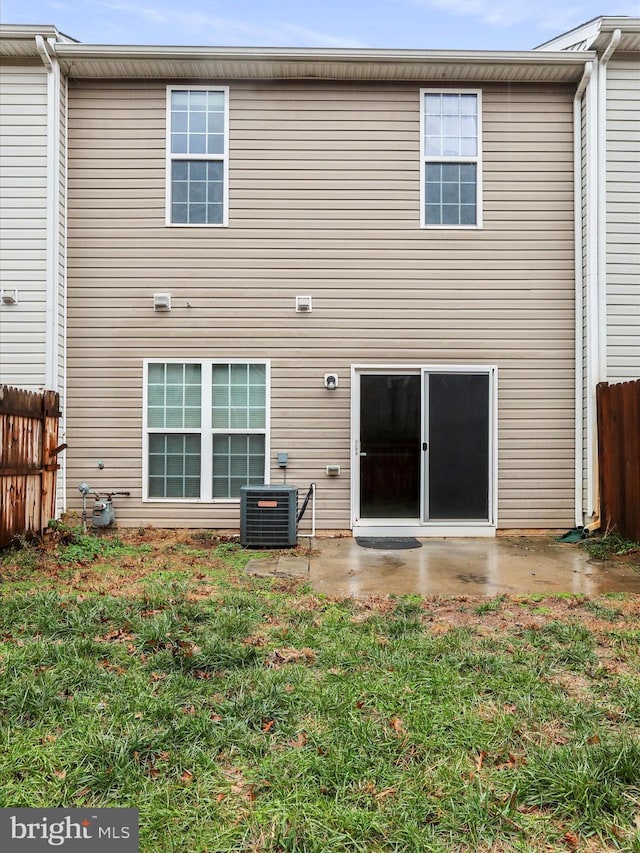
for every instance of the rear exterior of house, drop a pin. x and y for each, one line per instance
(426, 214)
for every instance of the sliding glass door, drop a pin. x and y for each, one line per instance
(424, 448)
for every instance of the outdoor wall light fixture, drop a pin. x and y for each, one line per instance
(331, 381)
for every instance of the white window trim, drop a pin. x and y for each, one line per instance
(206, 430)
(477, 160)
(224, 157)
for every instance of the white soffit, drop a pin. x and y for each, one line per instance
(128, 62)
(629, 39)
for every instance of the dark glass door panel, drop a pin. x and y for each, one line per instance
(390, 446)
(458, 425)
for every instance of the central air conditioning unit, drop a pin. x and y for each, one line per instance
(268, 516)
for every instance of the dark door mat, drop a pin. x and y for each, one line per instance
(388, 543)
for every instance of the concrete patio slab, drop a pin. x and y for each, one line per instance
(450, 567)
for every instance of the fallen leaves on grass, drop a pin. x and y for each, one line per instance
(48, 739)
(186, 648)
(388, 792)
(483, 758)
(480, 760)
(238, 785)
(111, 667)
(202, 674)
(511, 762)
(398, 726)
(118, 635)
(281, 657)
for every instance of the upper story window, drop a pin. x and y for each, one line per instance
(197, 155)
(451, 125)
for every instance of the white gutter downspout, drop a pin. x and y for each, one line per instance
(579, 287)
(65, 311)
(590, 285)
(597, 253)
(54, 324)
(53, 213)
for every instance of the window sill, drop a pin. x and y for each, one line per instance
(207, 501)
(451, 227)
(196, 224)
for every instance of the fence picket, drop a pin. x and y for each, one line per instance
(28, 435)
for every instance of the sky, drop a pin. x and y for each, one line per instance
(420, 24)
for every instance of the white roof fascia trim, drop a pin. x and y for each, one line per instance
(27, 31)
(98, 51)
(159, 52)
(625, 25)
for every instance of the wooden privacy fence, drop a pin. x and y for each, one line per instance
(619, 456)
(28, 461)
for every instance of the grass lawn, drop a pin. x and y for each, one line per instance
(239, 714)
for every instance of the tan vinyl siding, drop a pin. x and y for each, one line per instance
(623, 219)
(324, 200)
(23, 223)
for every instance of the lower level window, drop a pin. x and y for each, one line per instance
(205, 428)
(238, 460)
(174, 466)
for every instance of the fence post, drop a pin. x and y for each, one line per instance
(631, 458)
